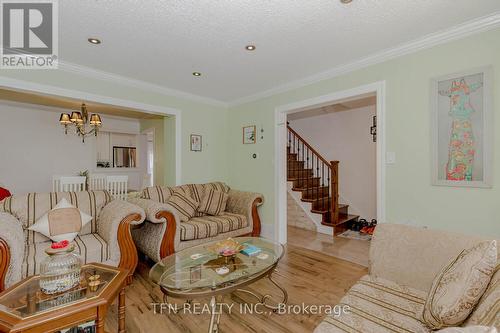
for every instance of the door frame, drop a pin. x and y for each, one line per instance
(146, 132)
(280, 231)
(21, 85)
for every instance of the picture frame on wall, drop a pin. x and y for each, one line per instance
(461, 133)
(249, 134)
(196, 142)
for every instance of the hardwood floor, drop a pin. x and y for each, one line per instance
(310, 277)
(352, 250)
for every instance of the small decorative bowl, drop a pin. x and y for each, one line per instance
(226, 248)
(94, 282)
(94, 285)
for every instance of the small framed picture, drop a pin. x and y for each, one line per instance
(249, 134)
(195, 142)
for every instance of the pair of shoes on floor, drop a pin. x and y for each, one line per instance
(369, 228)
(360, 224)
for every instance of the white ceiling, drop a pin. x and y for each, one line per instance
(340, 106)
(162, 42)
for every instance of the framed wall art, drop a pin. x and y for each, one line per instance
(195, 142)
(461, 132)
(249, 134)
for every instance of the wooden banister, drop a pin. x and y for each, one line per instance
(334, 179)
(317, 173)
(308, 146)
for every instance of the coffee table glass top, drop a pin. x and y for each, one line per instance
(26, 299)
(197, 267)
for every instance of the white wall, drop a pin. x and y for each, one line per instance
(33, 147)
(345, 136)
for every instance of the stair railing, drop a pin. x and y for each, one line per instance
(317, 169)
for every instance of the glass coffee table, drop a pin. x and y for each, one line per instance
(197, 272)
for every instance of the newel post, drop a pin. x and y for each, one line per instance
(334, 179)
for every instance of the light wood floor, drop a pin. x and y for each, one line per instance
(352, 250)
(310, 277)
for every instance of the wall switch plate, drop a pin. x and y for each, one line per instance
(390, 157)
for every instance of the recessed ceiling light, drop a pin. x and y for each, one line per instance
(250, 47)
(346, 1)
(94, 41)
(196, 74)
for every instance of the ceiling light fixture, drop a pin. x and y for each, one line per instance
(250, 47)
(94, 41)
(345, 2)
(196, 74)
(80, 120)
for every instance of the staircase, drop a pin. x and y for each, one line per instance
(317, 179)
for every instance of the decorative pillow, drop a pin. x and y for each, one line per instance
(487, 311)
(197, 191)
(4, 193)
(63, 222)
(218, 186)
(458, 287)
(184, 205)
(213, 202)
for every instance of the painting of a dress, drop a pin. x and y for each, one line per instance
(461, 134)
(461, 148)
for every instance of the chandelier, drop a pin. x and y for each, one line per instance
(80, 120)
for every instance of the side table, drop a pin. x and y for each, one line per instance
(25, 308)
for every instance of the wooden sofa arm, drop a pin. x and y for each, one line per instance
(11, 250)
(256, 218)
(128, 252)
(4, 262)
(114, 226)
(158, 237)
(167, 246)
(246, 203)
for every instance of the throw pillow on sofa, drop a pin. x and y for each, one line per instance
(458, 287)
(63, 222)
(487, 310)
(213, 202)
(183, 204)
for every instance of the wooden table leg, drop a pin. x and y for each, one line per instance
(101, 317)
(121, 311)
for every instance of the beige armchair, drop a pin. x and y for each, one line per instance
(106, 239)
(162, 233)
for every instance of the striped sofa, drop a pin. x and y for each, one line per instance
(163, 233)
(403, 263)
(105, 239)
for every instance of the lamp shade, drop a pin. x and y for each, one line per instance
(76, 117)
(64, 119)
(95, 120)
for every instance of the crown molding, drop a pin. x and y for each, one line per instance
(134, 83)
(463, 30)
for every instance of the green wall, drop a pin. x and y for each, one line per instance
(409, 194)
(197, 118)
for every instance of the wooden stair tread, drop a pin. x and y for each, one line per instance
(292, 178)
(343, 218)
(341, 206)
(309, 188)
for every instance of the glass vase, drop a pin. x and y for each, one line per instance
(60, 271)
